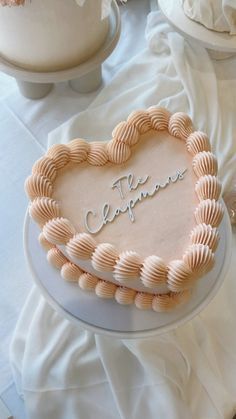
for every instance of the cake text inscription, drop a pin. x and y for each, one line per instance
(127, 182)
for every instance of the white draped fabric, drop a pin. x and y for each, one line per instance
(65, 372)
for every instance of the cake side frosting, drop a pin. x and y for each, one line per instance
(59, 231)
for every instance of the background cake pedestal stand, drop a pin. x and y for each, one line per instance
(107, 316)
(220, 45)
(83, 78)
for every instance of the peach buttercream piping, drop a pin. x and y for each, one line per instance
(58, 230)
(165, 302)
(180, 125)
(198, 141)
(37, 185)
(104, 257)
(208, 187)
(205, 163)
(127, 266)
(81, 246)
(118, 152)
(70, 272)
(205, 234)
(125, 295)
(97, 154)
(159, 118)
(60, 154)
(153, 271)
(45, 166)
(87, 282)
(43, 209)
(143, 300)
(46, 245)
(141, 120)
(78, 150)
(56, 258)
(126, 132)
(105, 289)
(209, 212)
(180, 277)
(199, 258)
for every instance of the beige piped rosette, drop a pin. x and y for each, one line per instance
(179, 275)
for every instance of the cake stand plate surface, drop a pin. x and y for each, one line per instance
(220, 44)
(107, 316)
(83, 78)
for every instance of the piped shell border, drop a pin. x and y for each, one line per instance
(179, 275)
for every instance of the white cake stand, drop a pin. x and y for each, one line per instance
(83, 78)
(107, 316)
(220, 45)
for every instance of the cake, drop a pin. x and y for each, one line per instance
(51, 35)
(135, 218)
(217, 15)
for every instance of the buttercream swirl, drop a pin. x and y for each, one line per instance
(58, 230)
(126, 132)
(78, 150)
(37, 185)
(127, 266)
(97, 154)
(209, 211)
(166, 302)
(180, 125)
(205, 163)
(143, 300)
(105, 289)
(87, 282)
(45, 166)
(81, 246)
(43, 209)
(198, 141)
(180, 277)
(153, 271)
(199, 258)
(208, 187)
(46, 245)
(159, 118)
(141, 119)
(125, 295)
(118, 152)
(70, 272)
(205, 234)
(56, 258)
(104, 257)
(60, 154)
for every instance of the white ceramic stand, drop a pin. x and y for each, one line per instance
(83, 78)
(220, 45)
(107, 316)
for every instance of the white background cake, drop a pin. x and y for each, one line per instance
(50, 35)
(218, 15)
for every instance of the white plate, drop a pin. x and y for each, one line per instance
(217, 41)
(107, 316)
(73, 72)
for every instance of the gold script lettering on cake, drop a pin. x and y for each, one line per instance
(124, 185)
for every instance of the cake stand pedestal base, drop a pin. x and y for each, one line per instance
(89, 82)
(34, 90)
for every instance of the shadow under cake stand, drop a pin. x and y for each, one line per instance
(107, 316)
(83, 78)
(220, 45)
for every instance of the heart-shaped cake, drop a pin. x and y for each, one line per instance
(134, 218)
